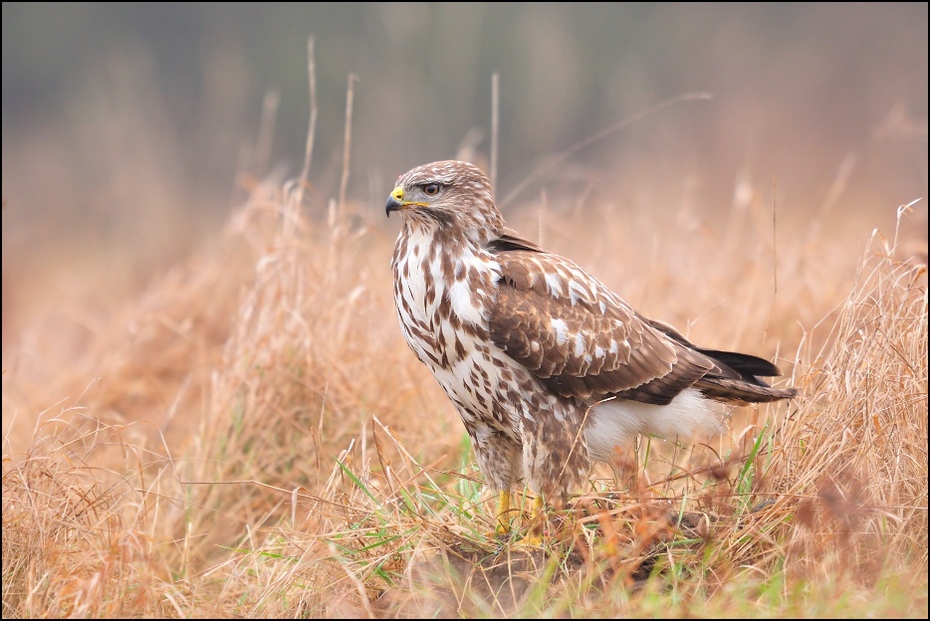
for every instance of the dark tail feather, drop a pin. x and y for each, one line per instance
(748, 367)
(738, 383)
(736, 378)
(739, 392)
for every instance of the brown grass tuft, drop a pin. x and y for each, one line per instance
(851, 460)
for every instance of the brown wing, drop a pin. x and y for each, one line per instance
(578, 337)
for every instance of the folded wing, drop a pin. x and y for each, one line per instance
(583, 341)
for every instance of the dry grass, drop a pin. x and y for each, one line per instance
(251, 437)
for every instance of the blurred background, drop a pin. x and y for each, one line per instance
(131, 130)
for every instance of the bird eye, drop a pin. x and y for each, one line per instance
(431, 189)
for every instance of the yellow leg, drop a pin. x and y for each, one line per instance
(503, 511)
(504, 516)
(533, 536)
(537, 507)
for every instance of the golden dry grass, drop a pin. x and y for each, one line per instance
(251, 437)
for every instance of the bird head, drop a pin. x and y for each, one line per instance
(451, 197)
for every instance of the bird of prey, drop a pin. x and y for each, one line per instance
(547, 367)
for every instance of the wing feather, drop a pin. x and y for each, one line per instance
(578, 337)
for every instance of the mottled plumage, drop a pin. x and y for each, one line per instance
(547, 367)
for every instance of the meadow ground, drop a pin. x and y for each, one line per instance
(248, 435)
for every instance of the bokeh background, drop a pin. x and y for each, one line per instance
(131, 130)
(208, 409)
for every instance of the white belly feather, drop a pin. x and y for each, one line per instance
(424, 289)
(617, 421)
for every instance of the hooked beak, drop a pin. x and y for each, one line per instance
(395, 201)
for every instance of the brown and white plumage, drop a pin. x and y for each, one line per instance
(547, 367)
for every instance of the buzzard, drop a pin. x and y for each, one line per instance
(547, 367)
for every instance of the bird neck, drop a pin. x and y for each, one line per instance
(450, 234)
